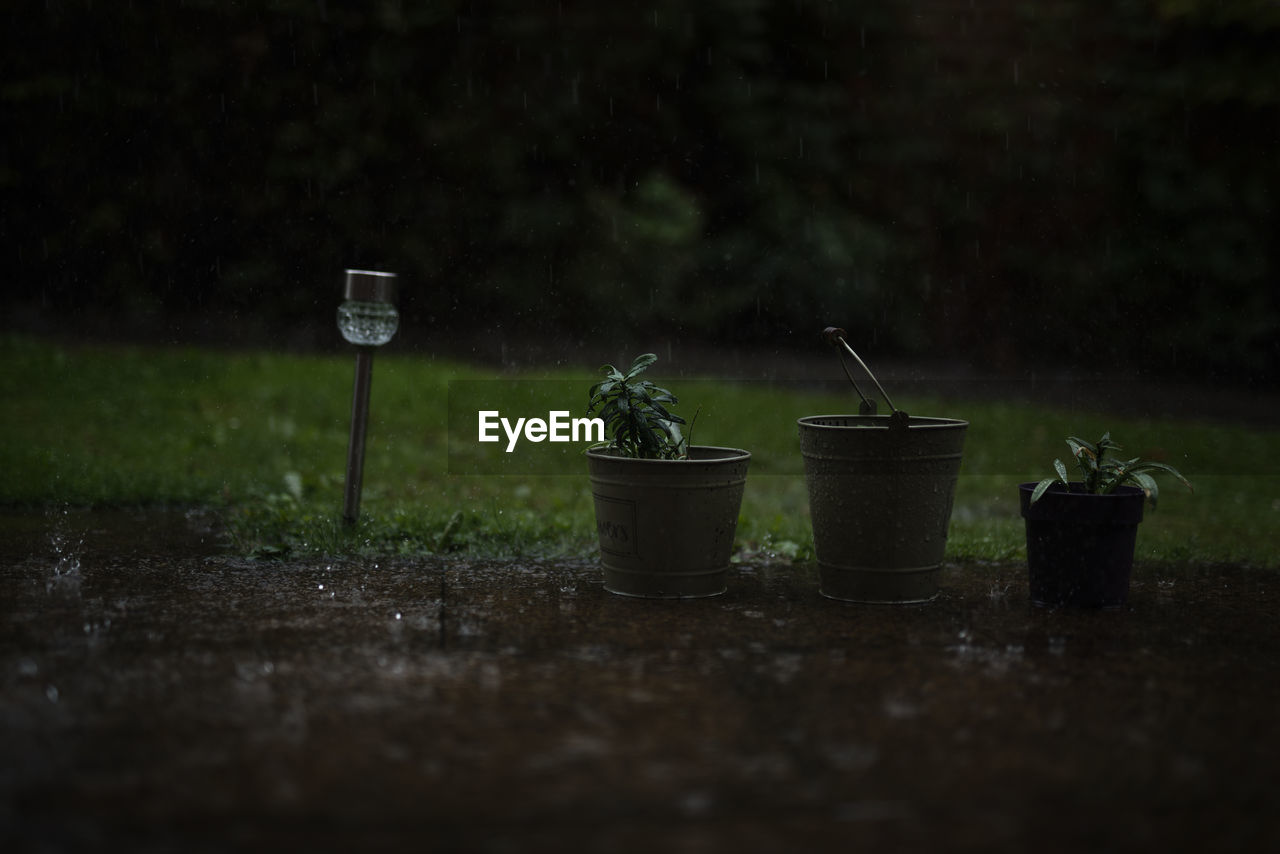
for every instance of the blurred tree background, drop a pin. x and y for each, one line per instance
(1003, 182)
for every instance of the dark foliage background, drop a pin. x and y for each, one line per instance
(1002, 183)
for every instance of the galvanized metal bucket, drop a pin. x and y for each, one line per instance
(666, 527)
(880, 497)
(880, 494)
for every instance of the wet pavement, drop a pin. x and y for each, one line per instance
(158, 695)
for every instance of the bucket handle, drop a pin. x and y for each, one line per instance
(835, 336)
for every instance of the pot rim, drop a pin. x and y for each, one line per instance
(720, 454)
(1119, 493)
(881, 422)
(1122, 507)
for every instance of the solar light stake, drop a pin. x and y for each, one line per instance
(359, 425)
(368, 319)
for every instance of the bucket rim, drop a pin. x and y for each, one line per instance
(881, 422)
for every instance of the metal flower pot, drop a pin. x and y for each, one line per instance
(880, 494)
(1080, 546)
(666, 527)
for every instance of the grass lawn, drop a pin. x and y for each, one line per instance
(263, 437)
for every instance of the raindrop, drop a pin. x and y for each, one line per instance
(696, 803)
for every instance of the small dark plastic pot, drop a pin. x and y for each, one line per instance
(1080, 546)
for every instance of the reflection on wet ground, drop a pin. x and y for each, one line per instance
(157, 694)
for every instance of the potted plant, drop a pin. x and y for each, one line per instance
(666, 510)
(1081, 534)
(880, 494)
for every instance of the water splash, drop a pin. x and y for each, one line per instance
(67, 542)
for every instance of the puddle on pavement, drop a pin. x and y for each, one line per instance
(137, 654)
(71, 533)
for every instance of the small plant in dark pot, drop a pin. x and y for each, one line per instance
(666, 510)
(1081, 534)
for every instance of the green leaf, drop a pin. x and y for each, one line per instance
(1041, 488)
(1086, 457)
(1147, 484)
(1168, 469)
(1061, 469)
(1080, 446)
(641, 362)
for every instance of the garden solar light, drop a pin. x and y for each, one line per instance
(367, 318)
